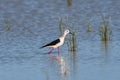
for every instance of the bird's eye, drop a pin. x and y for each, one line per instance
(67, 31)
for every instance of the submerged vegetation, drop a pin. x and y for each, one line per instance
(60, 26)
(7, 24)
(105, 31)
(89, 26)
(72, 42)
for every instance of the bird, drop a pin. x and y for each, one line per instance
(58, 42)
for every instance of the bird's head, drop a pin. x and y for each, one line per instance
(67, 31)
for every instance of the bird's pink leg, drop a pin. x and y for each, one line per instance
(50, 50)
(58, 51)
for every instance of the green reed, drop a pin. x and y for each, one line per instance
(72, 42)
(60, 26)
(105, 31)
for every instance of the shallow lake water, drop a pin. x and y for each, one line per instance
(26, 25)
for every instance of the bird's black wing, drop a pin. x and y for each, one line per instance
(52, 43)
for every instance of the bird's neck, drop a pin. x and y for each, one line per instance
(64, 35)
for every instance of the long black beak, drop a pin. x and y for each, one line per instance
(70, 33)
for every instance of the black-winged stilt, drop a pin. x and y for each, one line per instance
(57, 43)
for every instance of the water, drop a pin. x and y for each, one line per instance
(32, 24)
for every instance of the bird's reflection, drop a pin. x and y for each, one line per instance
(62, 63)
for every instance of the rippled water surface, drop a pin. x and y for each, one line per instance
(26, 25)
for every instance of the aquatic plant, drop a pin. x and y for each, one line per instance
(89, 29)
(7, 24)
(60, 26)
(71, 41)
(69, 2)
(47, 75)
(105, 31)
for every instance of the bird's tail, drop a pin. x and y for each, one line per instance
(42, 47)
